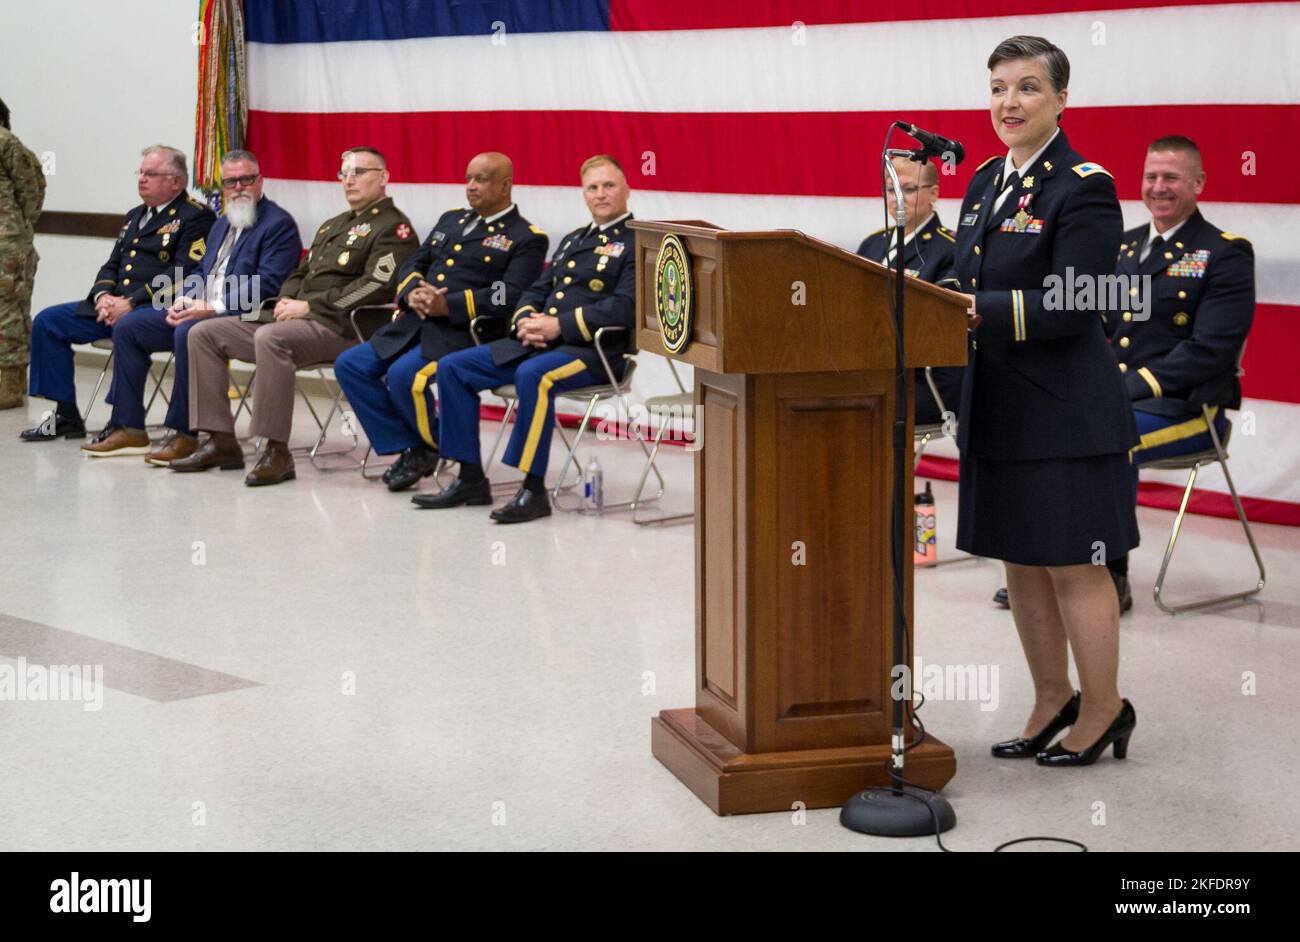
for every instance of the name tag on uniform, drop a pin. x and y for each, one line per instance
(969, 219)
(439, 237)
(612, 249)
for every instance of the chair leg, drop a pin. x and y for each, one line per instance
(920, 449)
(570, 459)
(94, 396)
(501, 432)
(336, 408)
(1158, 591)
(244, 394)
(636, 501)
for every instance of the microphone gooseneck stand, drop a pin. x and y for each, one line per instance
(899, 810)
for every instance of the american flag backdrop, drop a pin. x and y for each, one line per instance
(761, 114)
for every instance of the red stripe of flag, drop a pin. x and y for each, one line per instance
(1270, 362)
(787, 153)
(731, 14)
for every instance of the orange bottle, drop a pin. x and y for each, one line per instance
(925, 550)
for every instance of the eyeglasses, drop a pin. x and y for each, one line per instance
(345, 174)
(151, 174)
(232, 183)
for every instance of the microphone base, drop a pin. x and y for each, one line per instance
(887, 813)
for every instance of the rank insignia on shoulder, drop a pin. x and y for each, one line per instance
(947, 234)
(1087, 169)
(197, 248)
(536, 230)
(987, 162)
(612, 249)
(498, 242)
(1233, 237)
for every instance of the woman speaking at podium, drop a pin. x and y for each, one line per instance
(1045, 481)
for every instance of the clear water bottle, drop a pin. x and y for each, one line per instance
(593, 488)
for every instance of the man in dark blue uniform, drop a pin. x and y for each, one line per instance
(166, 232)
(470, 270)
(1181, 350)
(928, 249)
(591, 284)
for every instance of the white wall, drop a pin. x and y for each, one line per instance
(90, 83)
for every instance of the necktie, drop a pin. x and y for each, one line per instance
(1011, 184)
(1151, 247)
(218, 273)
(148, 214)
(470, 228)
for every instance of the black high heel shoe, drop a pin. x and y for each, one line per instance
(1024, 748)
(1118, 733)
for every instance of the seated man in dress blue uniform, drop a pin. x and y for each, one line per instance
(166, 231)
(471, 269)
(1184, 353)
(928, 249)
(250, 251)
(591, 284)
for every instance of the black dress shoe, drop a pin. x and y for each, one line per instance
(415, 463)
(48, 431)
(456, 494)
(1123, 591)
(524, 506)
(1001, 599)
(1118, 733)
(1024, 748)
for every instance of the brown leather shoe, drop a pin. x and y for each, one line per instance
(274, 466)
(220, 450)
(13, 387)
(119, 441)
(174, 447)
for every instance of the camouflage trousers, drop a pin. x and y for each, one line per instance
(17, 274)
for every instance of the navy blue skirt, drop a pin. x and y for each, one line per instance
(1047, 512)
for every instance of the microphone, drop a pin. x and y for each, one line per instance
(932, 144)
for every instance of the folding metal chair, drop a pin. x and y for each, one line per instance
(922, 435)
(614, 388)
(675, 405)
(107, 344)
(1218, 454)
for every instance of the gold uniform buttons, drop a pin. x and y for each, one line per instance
(1181, 319)
(1178, 245)
(487, 258)
(374, 212)
(977, 250)
(559, 295)
(450, 262)
(135, 241)
(572, 263)
(1182, 295)
(441, 276)
(1128, 316)
(133, 253)
(126, 281)
(128, 267)
(1124, 342)
(926, 237)
(1169, 255)
(554, 310)
(456, 247)
(1123, 367)
(1133, 292)
(972, 282)
(568, 279)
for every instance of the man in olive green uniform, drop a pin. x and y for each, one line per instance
(22, 191)
(352, 263)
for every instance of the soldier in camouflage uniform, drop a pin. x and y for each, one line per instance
(22, 191)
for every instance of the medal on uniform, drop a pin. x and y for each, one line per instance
(343, 257)
(166, 238)
(596, 285)
(1022, 216)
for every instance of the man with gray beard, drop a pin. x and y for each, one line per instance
(250, 251)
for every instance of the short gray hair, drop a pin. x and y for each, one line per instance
(230, 156)
(1035, 47)
(175, 158)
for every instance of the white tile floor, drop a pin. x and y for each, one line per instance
(499, 675)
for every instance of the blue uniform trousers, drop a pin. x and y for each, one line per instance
(392, 396)
(462, 375)
(54, 331)
(138, 334)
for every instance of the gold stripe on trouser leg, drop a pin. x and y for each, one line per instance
(418, 387)
(539, 409)
(1175, 433)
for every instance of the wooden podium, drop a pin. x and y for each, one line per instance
(792, 507)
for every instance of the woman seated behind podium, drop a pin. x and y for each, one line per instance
(1045, 481)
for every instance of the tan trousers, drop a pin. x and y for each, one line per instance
(278, 349)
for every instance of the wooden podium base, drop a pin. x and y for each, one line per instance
(733, 782)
